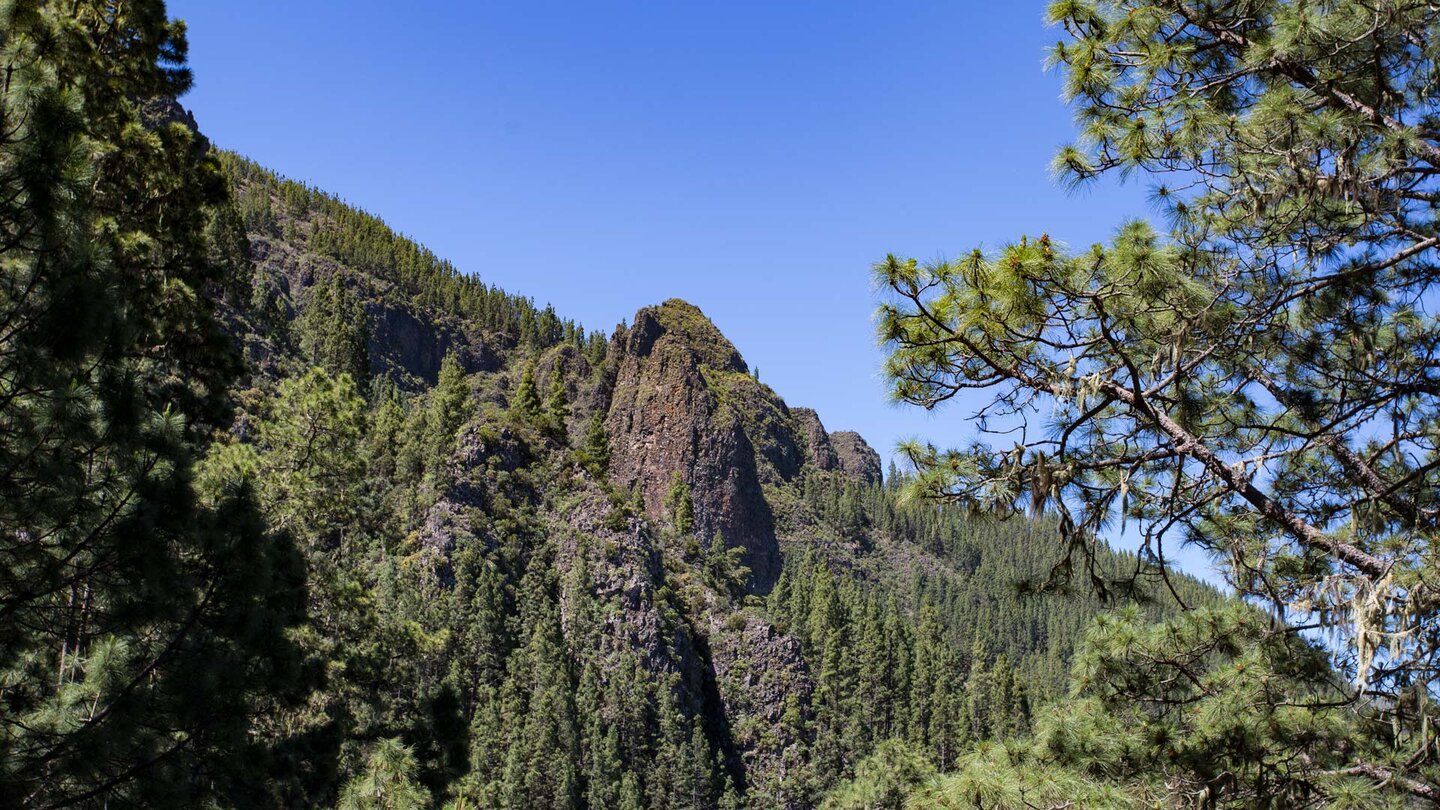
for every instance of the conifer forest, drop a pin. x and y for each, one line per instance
(296, 513)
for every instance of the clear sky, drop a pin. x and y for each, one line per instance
(754, 158)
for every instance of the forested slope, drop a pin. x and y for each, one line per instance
(293, 513)
(550, 567)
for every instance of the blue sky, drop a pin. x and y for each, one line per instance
(754, 158)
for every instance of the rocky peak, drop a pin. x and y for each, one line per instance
(687, 326)
(162, 111)
(857, 459)
(843, 450)
(683, 402)
(821, 453)
(665, 416)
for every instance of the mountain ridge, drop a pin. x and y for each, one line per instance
(697, 543)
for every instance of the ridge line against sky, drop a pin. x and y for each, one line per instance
(751, 158)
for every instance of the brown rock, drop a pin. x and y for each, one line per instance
(664, 417)
(821, 453)
(857, 458)
(761, 675)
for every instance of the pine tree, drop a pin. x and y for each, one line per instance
(605, 777)
(875, 678)
(557, 405)
(679, 505)
(310, 469)
(1250, 380)
(723, 570)
(141, 624)
(388, 783)
(451, 406)
(596, 450)
(527, 398)
(544, 756)
(451, 401)
(334, 330)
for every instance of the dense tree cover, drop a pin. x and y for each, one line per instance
(1202, 709)
(957, 652)
(455, 614)
(990, 777)
(297, 583)
(333, 330)
(979, 573)
(437, 533)
(142, 626)
(388, 783)
(1258, 381)
(275, 206)
(480, 672)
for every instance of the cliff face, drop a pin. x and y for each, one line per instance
(856, 458)
(409, 345)
(819, 450)
(407, 341)
(665, 418)
(683, 401)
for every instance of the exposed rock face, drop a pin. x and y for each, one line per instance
(624, 569)
(414, 345)
(665, 418)
(406, 344)
(857, 459)
(682, 400)
(761, 675)
(817, 441)
(767, 421)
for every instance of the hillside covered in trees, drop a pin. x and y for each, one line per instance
(295, 513)
(605, 570)
(298, 514)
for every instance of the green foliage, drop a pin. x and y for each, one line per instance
(723, 570)
(1257, 382)
(557, 405)
(310, 460)
(1222, 703)
(882, 674)
(680, 505)
(333, 330)
(452, 406)
(995, 778)
(321, 223)
(527, 396)
(1220, 707)
(883, 780)
(142, 626)
(468, 643)
(388, 782)
(595, 452)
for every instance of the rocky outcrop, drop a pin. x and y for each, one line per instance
(410, 346)
(779, 451)
(857, 459)
(165, 110)
(765, 689)
(664, 418)
(624, 571)
(682, 401)
(843, 450)
(820, 452)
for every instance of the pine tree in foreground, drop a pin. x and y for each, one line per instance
(141, 626)
(1261, 382)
